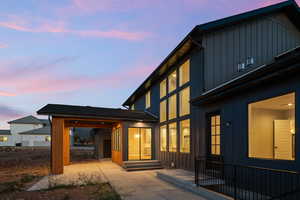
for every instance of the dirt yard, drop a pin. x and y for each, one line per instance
(21, 167)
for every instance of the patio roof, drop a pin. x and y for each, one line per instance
(60, 110)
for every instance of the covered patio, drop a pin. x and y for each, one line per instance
(121, 122)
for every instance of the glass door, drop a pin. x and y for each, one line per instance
(139, 143)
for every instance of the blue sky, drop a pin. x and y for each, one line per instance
(91, 52)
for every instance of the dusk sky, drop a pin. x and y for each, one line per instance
(91, 52)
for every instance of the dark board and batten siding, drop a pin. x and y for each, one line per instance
(261, 38)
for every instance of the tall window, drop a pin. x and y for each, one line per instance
(163, 88)
(3, 139)
(163, 138)
(148, 99)
(172, 137)
(215, 132)
(184, 104)
(132, 107)
(185, 136)
(184, 73)
(163, 111)
(172, 107)
(271, 133)
(172, 80)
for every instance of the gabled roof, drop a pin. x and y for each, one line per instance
(96, 112)
(290, 7)
(40, 131)
(26, 120)
(5, 132)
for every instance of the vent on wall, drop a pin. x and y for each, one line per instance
(244, 65)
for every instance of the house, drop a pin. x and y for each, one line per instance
(227, 92)
(30, 131)
(5, 138)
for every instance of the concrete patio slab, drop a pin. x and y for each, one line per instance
(75, 174)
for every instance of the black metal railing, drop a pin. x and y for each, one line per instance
(247, 182)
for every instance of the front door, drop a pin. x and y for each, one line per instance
(139, 144)
(214, 136)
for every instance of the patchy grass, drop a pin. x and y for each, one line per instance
(21, 167)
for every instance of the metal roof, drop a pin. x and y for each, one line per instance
(290, 7)
(96, 112)
(27, 120)
(40, 131)
(5, 132)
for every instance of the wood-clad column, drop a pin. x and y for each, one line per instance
(57, 138)
(66, 146)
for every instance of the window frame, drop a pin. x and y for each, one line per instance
(166, 111)
(176, 81)
(180, 74)
(164, 88)
(263, 98)
(176, 137)
(166, 138)
(180, 102)
(174, 96)
(148, 99)
(180, 138)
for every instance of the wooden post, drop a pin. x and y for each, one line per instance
(57, 138)
(66, 146)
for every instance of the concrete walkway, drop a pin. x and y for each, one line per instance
(137, 185)
(142, 185)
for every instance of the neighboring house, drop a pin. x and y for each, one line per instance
(228, 91)
(6, 138)
(30, 131)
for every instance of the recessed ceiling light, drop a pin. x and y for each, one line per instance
(290, 104)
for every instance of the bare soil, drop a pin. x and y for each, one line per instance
(21, 167)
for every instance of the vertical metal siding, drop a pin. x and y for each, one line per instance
(261, 38)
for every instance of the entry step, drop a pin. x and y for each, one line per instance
(142, 165)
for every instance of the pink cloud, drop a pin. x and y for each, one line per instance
(59, 27)
(3, 46)
(53, 77)
(7, 94)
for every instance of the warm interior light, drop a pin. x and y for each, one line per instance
(290, 104)
(174, 75)
(4, 139)
(137, 135)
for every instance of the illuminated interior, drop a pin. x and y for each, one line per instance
(172, 137)
(185, 136)
(184, 73)
(139, 143)
(163, 111)
(148, 99)
(3, 139)
(272, 128)
(163, 88)
(163, 138)
(172, 81)
(48, 138)
(184, 98)
(172, 107)
(215, 121)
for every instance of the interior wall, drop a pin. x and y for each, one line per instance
(261, 131)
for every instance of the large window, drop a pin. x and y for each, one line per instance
(148, 99)
(163, 111)
(185, 136)
(3, 139)
(163, 88)
(272, 128)
(172, 107)
(172, 137)
(215, 134)
(184, 104)
(172, 80)
(184, 73)
(163, 138)
(116, 139)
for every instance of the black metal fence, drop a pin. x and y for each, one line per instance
(246, 182)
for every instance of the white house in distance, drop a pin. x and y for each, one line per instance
(30, 131)
(6, 138)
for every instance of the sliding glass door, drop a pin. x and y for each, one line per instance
(139, 143)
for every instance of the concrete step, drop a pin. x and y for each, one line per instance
(142, 165)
